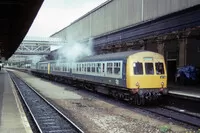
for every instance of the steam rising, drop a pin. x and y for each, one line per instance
(35, 58)
(73, 50)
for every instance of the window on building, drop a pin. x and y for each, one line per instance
(149, 68)
(138, 68)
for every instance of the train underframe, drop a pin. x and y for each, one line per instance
(133, 96)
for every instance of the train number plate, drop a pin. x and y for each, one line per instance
(162, 77)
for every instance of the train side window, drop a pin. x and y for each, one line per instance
(85, 67)
(93, 67)
(138, 68)
(88, 67)
(159, 68)
(117, 68)
(103, 67)
(109, 68)
(149, 68)
(73, 67)
(79, 67)
(98, 67)
(82, 67)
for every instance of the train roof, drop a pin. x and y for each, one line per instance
(106, 57)
(110, 56)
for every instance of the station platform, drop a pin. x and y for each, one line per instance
(13, 118)
(189, 92)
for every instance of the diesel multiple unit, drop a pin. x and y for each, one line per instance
(137, 76)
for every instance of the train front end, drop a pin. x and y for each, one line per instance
(146, 75)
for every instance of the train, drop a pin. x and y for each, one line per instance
(136, 76)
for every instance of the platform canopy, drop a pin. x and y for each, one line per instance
(16, 17)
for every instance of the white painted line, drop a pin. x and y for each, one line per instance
(184, 94)
(20, 108)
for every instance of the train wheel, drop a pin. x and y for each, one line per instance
(130, 100)
(139, 100)
(116, 96)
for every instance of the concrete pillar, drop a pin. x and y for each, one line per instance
(182, 51)
(161, 47)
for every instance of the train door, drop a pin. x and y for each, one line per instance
(103, 69)
(49, 67)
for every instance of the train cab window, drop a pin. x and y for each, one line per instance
(117, 68)
(159, 68)
(138, 68)
(98, 67)
(149, 68)
(109, 68)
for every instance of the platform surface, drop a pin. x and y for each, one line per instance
(188, 91)
(12, 117)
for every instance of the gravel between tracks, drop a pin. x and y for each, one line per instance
(97, 115)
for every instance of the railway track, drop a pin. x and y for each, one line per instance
(47, 118)
(171, 113)
(178, 115)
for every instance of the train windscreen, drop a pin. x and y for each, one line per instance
(149, 68)
(159, 68)
(138, 68)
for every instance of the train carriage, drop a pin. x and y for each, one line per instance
(137, 75)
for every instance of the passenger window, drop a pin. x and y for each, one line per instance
(93, 67)
(103, 67)
(79, 67)
(117, 68)
(138, 68)
(98, 67)
(88, 67)
(149, 68)
(83, 68)
(109, 68)
(159, 68)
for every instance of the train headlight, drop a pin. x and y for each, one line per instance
(137, 84)
(162, 84)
